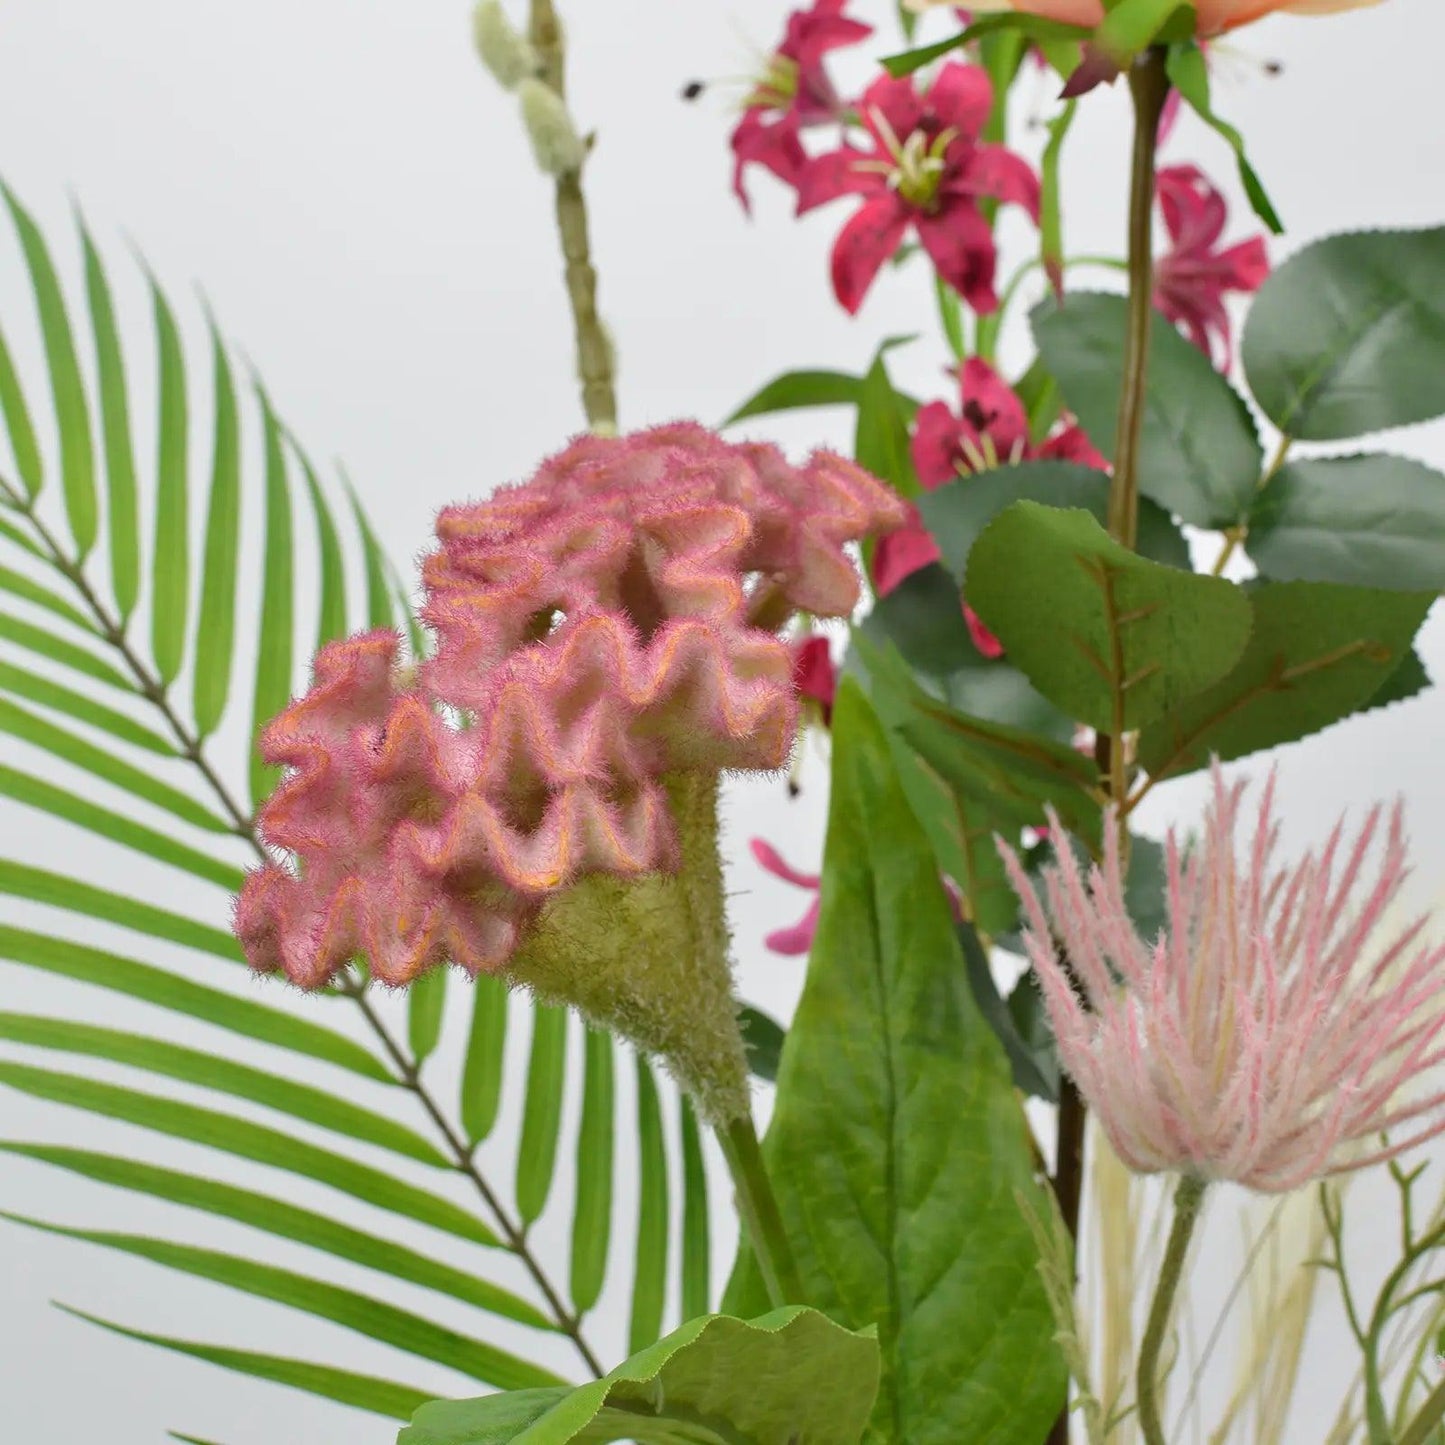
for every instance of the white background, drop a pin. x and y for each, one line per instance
(356, 198)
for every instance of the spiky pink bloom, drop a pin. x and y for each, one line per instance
(1268, 1029)
(600, 629)
(1192, 279)
(926, 170)
(793, 93)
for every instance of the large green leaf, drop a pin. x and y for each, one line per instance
(1348, 336)
(542, 1111)
(287, 1221)
(18, 584)
(592, 1212)
(46, 644)
(115, 433)
(790, 1378)
(1366, 521)
(365, 1314)
(1199, 456)
(796, 389)
(83, 708)
(425, 1007)
(77, 452)
(482, 1070)
(171, 562)
(1111, 638)
(1318, 652)
(256, 1142)
(362, 1392)
(898, 1146)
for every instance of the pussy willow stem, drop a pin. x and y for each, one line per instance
(1187, 1199)
(594, 347)
(758, 1206)
(192, 749)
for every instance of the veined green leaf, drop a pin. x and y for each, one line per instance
(61, 803)
(19, 880)
(379, 609)
(216, 619)
(45, 693)
(41, 733)
(763, 1037)
(46, 644)
(166, 990)
(795, 389)
(542, 1110)
(23, 446)
(77, 456)
(223, 1075)
(790, 1377)
(696, 1230)
(247, 1140)
(366, 1315)
(362, 1392)
(331, 615)
(592, 1215)
(171, 564)
(39, 595)
(286, 1221)
(115, 434)
(276, 638)
(426, 1004)
(649, 1281)
(481, 1094)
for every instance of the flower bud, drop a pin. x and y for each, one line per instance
(505, 51)
(555, 142)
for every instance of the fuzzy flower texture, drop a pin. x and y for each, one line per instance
(606, 644)
(1264, 1036)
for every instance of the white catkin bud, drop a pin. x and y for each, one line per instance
(505, 51)
(555, 142)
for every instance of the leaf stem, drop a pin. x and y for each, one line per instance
(1187, 1199)
(758, 1206)
(1427, 1418)
(192, 750)
(594, 346)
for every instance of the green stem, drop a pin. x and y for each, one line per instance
(1430, 1414)
(1187, 1198)
(1009, 294)
(759, 1209)
(1149, 85)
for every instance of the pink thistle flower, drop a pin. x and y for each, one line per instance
(603, 630)
(926, 170)
(1256, 1039)
(793, 93)
(1191, 281)
(990, 429)
(798, 939)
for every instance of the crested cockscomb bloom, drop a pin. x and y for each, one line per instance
(926, 170)
(1265, 1035)
(1192, 279)
(792, 93)
(606, 644)
(990, 429)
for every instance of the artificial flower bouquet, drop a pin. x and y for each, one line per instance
(1033, 1046)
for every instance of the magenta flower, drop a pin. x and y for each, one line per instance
(792, 93)
(1268, 1029)
(1191, 281)
(990, 429)
(602, 630)
(798, 939)
(814, 675)
(925, 171)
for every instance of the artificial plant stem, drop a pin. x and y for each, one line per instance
(1427, 1420)
(1187, 1199)
(594, 347)
(1149, 86)
(192, 749)
(758, 1207)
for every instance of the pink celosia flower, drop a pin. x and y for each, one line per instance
(927, 170)
(991, 429)
(798, 939)
(608, 626)
(1192, 279)
(1268, 1029)
(793, 92)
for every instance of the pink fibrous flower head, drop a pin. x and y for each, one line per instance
(1266, 1033)
(604, 632)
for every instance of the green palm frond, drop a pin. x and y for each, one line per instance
(134, 678)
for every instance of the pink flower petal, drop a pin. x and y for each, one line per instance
(874, 233)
